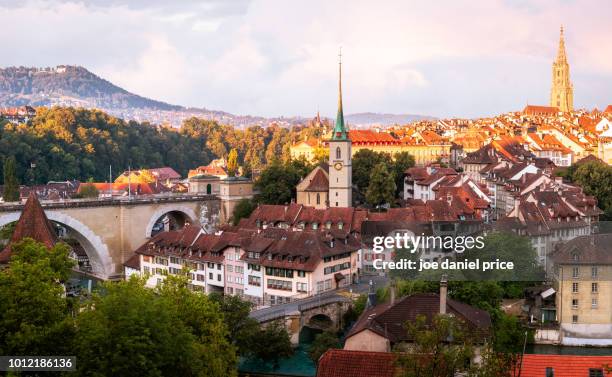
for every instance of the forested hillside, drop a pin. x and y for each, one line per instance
(68, 143)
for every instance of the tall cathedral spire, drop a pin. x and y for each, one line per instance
(562, 91)
(561, 57)
(340, 132)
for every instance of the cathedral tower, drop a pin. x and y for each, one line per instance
(340, 170)
(562, 92)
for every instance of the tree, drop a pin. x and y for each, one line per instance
(232, 163)
(381, 189)
(322, 342)
(277, 182)
(34, 314)
(243, 209)
(507, 247)
(11, 184)
(438, 349)
(89, 190)
(136, 331)
(363, 164)
(274, 344)
(243, 331)
(402, 161)
(595, 178)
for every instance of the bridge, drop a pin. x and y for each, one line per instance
(110, 229)
(322, 312)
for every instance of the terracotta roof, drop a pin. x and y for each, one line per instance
(165, 173)
(364, 137)
(317, 180)
(345, 363)
(608, 109)
(562, 365)
(540, 110)
(133, 262)
(32, 223)
(122, 188)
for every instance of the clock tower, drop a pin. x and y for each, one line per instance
(340, 170)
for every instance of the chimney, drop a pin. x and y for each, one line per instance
(443, 291)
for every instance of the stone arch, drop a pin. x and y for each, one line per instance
(320, 321)
(185, 211)
(97, 251)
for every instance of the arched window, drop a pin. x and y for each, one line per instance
(209, 189)
(338, 153)
(318, 198)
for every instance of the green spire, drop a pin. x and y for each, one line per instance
(340, 132)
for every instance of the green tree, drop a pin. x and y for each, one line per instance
(277, 182)
(507, 247)
(232, 163)
(34, 314)
(381, 189)
(243, 331)
(363, 163)
(243, 209)
(595, 178)
(89, 190)
(274, 344)
(136, 331)
(402, 161)
(322, 342)
(11, 184)
(431, 353)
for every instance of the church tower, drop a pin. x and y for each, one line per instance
(562, 92)
(340, 170)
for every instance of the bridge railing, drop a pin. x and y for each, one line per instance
(102, 201)
(322, 301)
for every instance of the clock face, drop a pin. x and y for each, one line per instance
(338, 165)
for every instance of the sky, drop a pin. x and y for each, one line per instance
(443, 58)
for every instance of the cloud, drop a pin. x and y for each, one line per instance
(273, 57)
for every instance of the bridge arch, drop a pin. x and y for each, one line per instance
(97, 251)
(186, 212)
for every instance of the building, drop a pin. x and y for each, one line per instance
(340, 157)
(313, 190)
(582, 279)
(381, 328)
(231, 191)
(267, 267)
(32, 223)
(562, 91)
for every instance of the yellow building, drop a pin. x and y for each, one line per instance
(583, 284)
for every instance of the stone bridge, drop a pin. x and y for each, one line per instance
(109, 230)
(321, 312)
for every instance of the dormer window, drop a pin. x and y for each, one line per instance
(270, 257)
(328, 225)
(340, 225)
(315, 226)
(575, 256)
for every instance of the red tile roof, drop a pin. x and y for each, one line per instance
(540, 110)
(562, 365)
(32, 223)
(345, 363)
(608, 109)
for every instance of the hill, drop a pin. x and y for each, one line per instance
(68, 86)
(371, 119)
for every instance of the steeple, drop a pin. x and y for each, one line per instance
(562, 91)
(340, 132)
(561, 56)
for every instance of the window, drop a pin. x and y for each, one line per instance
(239, 269)
(575, 303)
(595, 372)
(301, 287)
(210, 276)
(574, 287)
(574, 319)
(218, 277)
(301, 274)
(594, 287)
(199, 277)
(550, 372)
(280, 284)
(254, 280)
(594, 272)
(230, 268)
(593, 303)
(218, 266)
(230, 279)
(318, 198)
(575, 272)
(338, 153)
